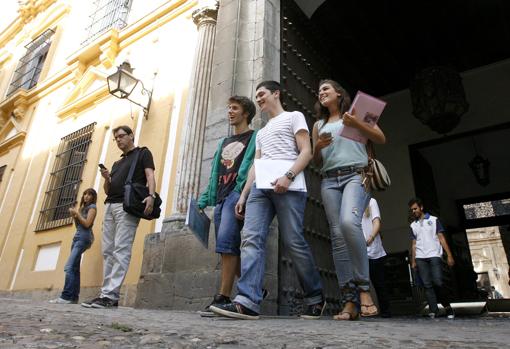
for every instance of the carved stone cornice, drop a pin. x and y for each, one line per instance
(12, 142)
(9, 139)
(29, 9)
(110, 50)
(16, 105)
(205, 15)
(19, 112)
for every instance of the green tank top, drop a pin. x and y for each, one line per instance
(343, 152)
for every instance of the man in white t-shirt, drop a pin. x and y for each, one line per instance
(285, 137)
(428, 242)
(371, 226)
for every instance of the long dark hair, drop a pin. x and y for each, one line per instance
(344, 102)
(90, 191)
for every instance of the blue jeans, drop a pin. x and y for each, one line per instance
(261, 207)
(431, 273)
(71, 291)
(228, 227)
(345, 200)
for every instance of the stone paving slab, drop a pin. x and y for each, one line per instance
(36, 324)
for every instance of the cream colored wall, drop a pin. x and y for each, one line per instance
(8, 158)
(77, 74)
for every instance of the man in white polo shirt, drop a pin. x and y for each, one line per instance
(428, 242)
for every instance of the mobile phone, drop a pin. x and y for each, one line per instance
(102, 167)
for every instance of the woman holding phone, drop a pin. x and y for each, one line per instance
(83, 238)
(344, 195)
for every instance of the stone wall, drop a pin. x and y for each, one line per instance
(178, 272)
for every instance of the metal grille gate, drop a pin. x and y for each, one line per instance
(301, 68)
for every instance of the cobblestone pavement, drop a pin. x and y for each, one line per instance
(37, 324)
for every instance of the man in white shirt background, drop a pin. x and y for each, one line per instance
(428, 242)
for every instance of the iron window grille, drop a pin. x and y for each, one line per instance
(107, 14)
(30, 65)
(2, 171)
(65, 179)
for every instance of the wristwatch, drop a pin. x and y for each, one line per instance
(290, 175)
(152, 196)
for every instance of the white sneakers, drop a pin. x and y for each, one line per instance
(60, 300)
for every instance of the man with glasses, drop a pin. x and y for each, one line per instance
(119, 227)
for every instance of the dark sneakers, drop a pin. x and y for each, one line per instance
(101, 303)
(105, 302)
(314, 311)
(218, 299)
(88, 304)
(235, 311)
(449, 313)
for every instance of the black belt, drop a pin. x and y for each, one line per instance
(343, 171)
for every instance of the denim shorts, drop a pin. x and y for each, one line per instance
(228, 227)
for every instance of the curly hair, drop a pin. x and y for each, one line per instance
(246, 104)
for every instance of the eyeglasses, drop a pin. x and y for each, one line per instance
(119, 136)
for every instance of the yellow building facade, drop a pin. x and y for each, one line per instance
(56, 117)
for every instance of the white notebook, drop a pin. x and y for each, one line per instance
(267, 171)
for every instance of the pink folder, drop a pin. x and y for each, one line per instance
(368, 109)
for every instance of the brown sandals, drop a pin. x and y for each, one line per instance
(368, 313)
(349, 309)
(352, 316)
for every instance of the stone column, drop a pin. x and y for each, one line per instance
(177, 272)
(196, 111)
(247, 51)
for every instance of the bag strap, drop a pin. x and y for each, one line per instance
(131, 172)
(370, 149)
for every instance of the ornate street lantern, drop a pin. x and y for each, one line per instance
(122, 83)
(438, 98)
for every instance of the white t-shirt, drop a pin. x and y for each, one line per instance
(277, 139)
(376, 249)
(425, 233)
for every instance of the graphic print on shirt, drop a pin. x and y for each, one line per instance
(230, 153)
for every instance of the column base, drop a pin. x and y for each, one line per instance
(173, 223)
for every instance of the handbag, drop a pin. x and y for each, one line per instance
(135, 193)
(376, 174)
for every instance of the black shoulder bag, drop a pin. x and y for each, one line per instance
(135, 193)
